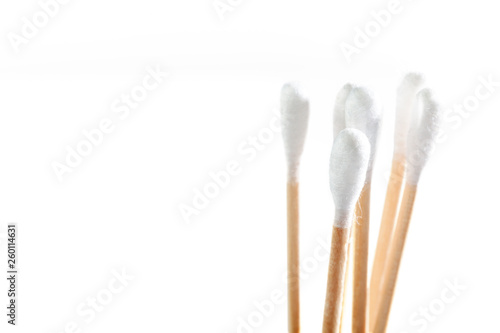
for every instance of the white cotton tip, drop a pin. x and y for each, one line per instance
(294, 119)
(339, 109)
(348, 165)
(424, 129)
(405, 103)
(364, 114)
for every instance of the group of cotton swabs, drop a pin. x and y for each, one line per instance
(356, 124)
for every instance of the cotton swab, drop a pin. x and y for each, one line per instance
(338, 126)
(294, 119)
(405, 102)
(362, 113)
(348, 165)
(422, 135)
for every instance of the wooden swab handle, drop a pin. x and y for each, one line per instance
(385, 234)
(350, 245)
(360, 272)
(293, 257)
(335, 285)
(394, 259)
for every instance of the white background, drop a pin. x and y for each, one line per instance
(120, 207)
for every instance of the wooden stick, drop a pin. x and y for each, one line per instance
(360, 271)
(394, 259)
(293, 257)
(336, 275)
(346, 279)
(392, 197)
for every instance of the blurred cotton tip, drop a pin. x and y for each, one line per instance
(405, 105)
(424, 129)
(339, 109)
(348, 165)
(363, 113)
(294, 119)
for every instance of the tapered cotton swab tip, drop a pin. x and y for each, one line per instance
(424, 130)
(348, 165)
(405, 103)
(363, 113)
(339, 109)
(294, 119)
